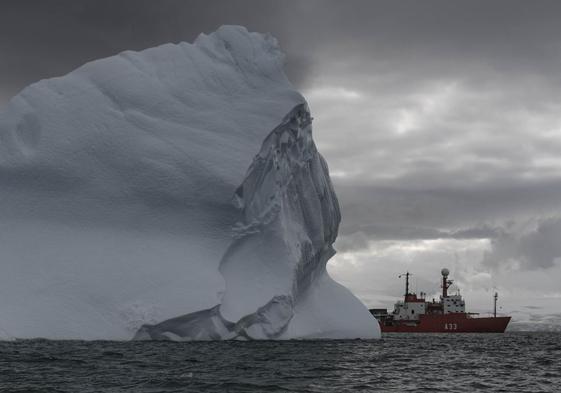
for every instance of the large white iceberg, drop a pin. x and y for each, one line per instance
(173, 193)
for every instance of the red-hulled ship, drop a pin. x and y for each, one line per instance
(415, 315)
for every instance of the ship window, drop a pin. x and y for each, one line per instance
(412, 311)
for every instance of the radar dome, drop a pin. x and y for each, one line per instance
(445, 272)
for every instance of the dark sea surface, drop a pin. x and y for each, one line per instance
(513, 362)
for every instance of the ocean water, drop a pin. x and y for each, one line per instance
(511, 362)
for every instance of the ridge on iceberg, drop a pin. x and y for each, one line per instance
(173, 193)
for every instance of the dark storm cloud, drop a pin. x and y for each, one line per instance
(511, 35)
(538, 247)
(46, 38)
(520, 220)
(445, 208)
(41, 39)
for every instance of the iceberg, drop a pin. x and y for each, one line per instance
(174, 193)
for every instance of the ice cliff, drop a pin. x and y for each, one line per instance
(173, 193)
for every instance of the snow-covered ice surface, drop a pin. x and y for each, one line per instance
(173, 193)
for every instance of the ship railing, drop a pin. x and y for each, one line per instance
(484, 315)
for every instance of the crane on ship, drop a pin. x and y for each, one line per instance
(406, 275)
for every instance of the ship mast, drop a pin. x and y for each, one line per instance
(445, 282)
(495, 297)
(406, 281)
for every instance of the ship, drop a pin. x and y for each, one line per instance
(414, 314)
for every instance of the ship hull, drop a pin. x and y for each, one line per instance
(448, 323)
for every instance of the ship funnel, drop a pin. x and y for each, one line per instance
(445, 272)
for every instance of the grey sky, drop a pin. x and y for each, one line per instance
(440, 121)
